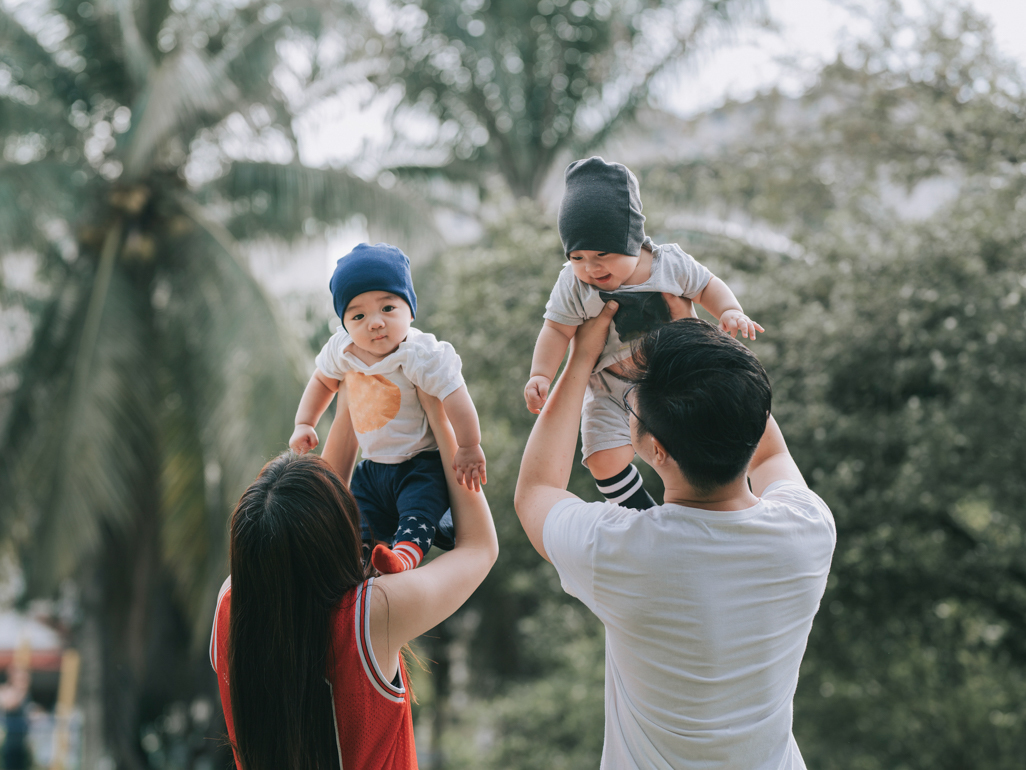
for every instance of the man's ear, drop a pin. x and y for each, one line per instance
(659, 454)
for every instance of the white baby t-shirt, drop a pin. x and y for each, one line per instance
(573, 302)
(390, 424)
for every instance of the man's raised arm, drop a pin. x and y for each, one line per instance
(549, 454)
(771, 461)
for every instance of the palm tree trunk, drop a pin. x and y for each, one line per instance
(129, 583)
(90, 646)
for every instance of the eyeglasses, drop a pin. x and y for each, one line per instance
(630, 410)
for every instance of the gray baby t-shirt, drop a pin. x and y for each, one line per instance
(572, 302)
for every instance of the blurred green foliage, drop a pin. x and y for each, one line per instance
(897, 345)
(896, 341)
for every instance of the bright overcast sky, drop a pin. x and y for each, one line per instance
(810, 32)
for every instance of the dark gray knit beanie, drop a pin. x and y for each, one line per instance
(601, 209)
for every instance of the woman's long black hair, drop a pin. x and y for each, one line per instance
(295, 551)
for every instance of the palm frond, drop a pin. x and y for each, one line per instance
(138, 61)
(36, 381)
(83, 360)
(37, 66)
(455, 171)
(236, 373)
(711, 15)
(186, 90)
(95, 47)
(17, 230)
(250, 59)
(193, 532)
(276, 200)
(22, 117)
(81, 473)
(191, 87)
(150, 17)
(46, 184)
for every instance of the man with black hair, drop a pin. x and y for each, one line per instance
(708, 599)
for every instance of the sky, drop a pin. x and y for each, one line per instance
(810, 33)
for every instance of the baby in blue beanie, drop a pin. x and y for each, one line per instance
(400, 484)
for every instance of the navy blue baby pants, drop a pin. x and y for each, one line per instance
(407, 501)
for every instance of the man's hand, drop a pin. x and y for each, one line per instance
(680, 307)
(304, 438)
(536, 392)
(590, 337)
(469, 464)
(734, 321)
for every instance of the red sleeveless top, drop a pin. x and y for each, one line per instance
(373, 721)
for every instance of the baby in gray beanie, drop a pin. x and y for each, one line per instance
(609, 257)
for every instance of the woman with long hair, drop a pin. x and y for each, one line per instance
(306, 646)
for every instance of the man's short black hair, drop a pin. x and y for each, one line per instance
(704, 396)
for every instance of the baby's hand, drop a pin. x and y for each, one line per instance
(469, 464)
(536, 393)
(734, 321)
(304, 438)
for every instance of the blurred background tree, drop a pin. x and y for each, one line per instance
(158, 379)
(508, 87)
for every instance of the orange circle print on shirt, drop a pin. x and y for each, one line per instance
(373, 400)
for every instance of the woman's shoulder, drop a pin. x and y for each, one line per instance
(354, 601)
(353, 643)
(219, 631)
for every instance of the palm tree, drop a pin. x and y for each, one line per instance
(157, 378)
(516, 86)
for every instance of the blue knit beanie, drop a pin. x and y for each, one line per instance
(372, 268)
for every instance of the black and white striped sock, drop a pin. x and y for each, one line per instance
(626, 488)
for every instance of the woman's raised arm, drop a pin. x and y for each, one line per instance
(340, 447)
(417, 600)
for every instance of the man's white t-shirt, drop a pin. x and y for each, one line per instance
(707, 614)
